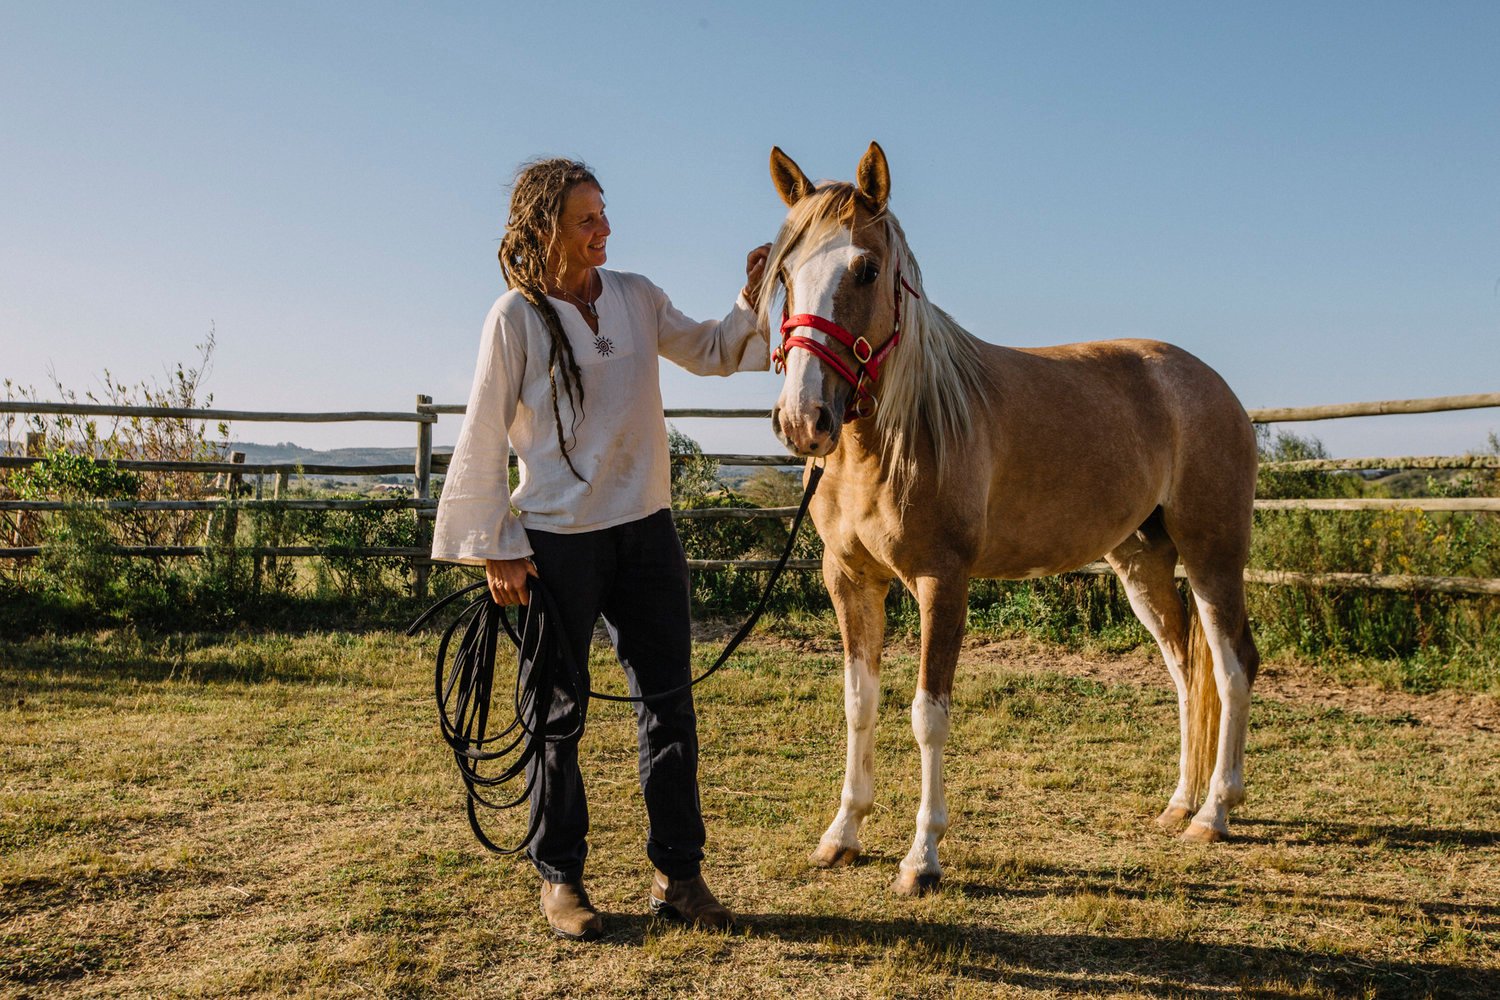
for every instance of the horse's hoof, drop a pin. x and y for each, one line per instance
(833, 856)
(1201, 833)
(1172, 818)
(916, 884)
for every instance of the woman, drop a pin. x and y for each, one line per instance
(567, 374)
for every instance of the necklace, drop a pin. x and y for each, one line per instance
(585, 303)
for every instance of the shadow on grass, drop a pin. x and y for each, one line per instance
(1049, 880)
(92, 665)
(1106, 884)
(85, 678)
(1083, 963)
(1399, 836)
(1098, 963)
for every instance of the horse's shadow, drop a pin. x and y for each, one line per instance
(1398, 836)
(1080, 963)
(1101, 963)
(1087, 963)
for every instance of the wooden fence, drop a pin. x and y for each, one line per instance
(427, 463)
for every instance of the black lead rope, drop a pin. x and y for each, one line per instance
(464, 682)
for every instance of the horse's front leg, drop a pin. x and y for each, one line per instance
(859, 601)
(944, 605)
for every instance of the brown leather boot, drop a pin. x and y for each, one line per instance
(688, 900)
(569, 912)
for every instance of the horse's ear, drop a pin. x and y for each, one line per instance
(791, 183)
(874, 176)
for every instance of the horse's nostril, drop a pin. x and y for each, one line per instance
(825, 420)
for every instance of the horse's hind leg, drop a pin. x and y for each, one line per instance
(944, 602)
(859, 601)
(1220, 599)
(1208, 516)
(1145, 563)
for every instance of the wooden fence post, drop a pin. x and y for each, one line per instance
(232, 516)
(423, 475)
(258, 562)
(28, 524)
(273, 539)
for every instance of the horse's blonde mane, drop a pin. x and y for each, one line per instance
(930, 382)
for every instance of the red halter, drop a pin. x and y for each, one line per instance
(867, 360)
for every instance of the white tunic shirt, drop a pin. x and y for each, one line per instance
(618, 442)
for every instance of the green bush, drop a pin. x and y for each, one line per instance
(339, 572)
(78, 580)
(731, 591)
(1423, 637)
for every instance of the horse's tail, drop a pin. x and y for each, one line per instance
(1202, 708)
(1203, 699)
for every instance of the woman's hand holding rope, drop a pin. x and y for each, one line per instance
(507, 580)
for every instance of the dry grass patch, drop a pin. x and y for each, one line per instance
(195, 816)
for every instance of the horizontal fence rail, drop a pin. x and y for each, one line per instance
(1433, 504)
(1355, 581)
(218, 416)
(427, 462)
(392, 503)
(254, 551)
(459, 409)
(1432, 404)
(440, 461)
(1264, 415)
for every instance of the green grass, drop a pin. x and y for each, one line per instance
(273, 815)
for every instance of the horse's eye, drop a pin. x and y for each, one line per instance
(866, 271)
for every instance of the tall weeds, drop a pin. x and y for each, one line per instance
(79, 460)
(77, 579)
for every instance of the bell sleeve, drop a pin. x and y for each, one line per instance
(474, 519)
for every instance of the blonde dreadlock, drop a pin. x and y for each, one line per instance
(536, 205)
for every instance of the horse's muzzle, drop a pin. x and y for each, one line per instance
(810, 433)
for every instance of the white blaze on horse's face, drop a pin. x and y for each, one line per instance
(808, 417)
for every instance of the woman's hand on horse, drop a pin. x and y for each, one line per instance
(507, 579)
(755, 271)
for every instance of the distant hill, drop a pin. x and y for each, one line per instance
(286, 451)
(289, 452)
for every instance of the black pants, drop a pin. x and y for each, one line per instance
(636, 576)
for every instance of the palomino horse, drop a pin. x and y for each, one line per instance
(948, 458)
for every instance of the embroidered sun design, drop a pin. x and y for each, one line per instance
(604, 346)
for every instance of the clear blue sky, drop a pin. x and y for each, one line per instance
(1306, 195)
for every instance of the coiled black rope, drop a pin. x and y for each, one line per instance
(464, 684)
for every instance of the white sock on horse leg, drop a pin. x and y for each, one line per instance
(861, 705)
(1226, 788)
(930, 725)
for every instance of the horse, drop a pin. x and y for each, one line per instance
(947, 458)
